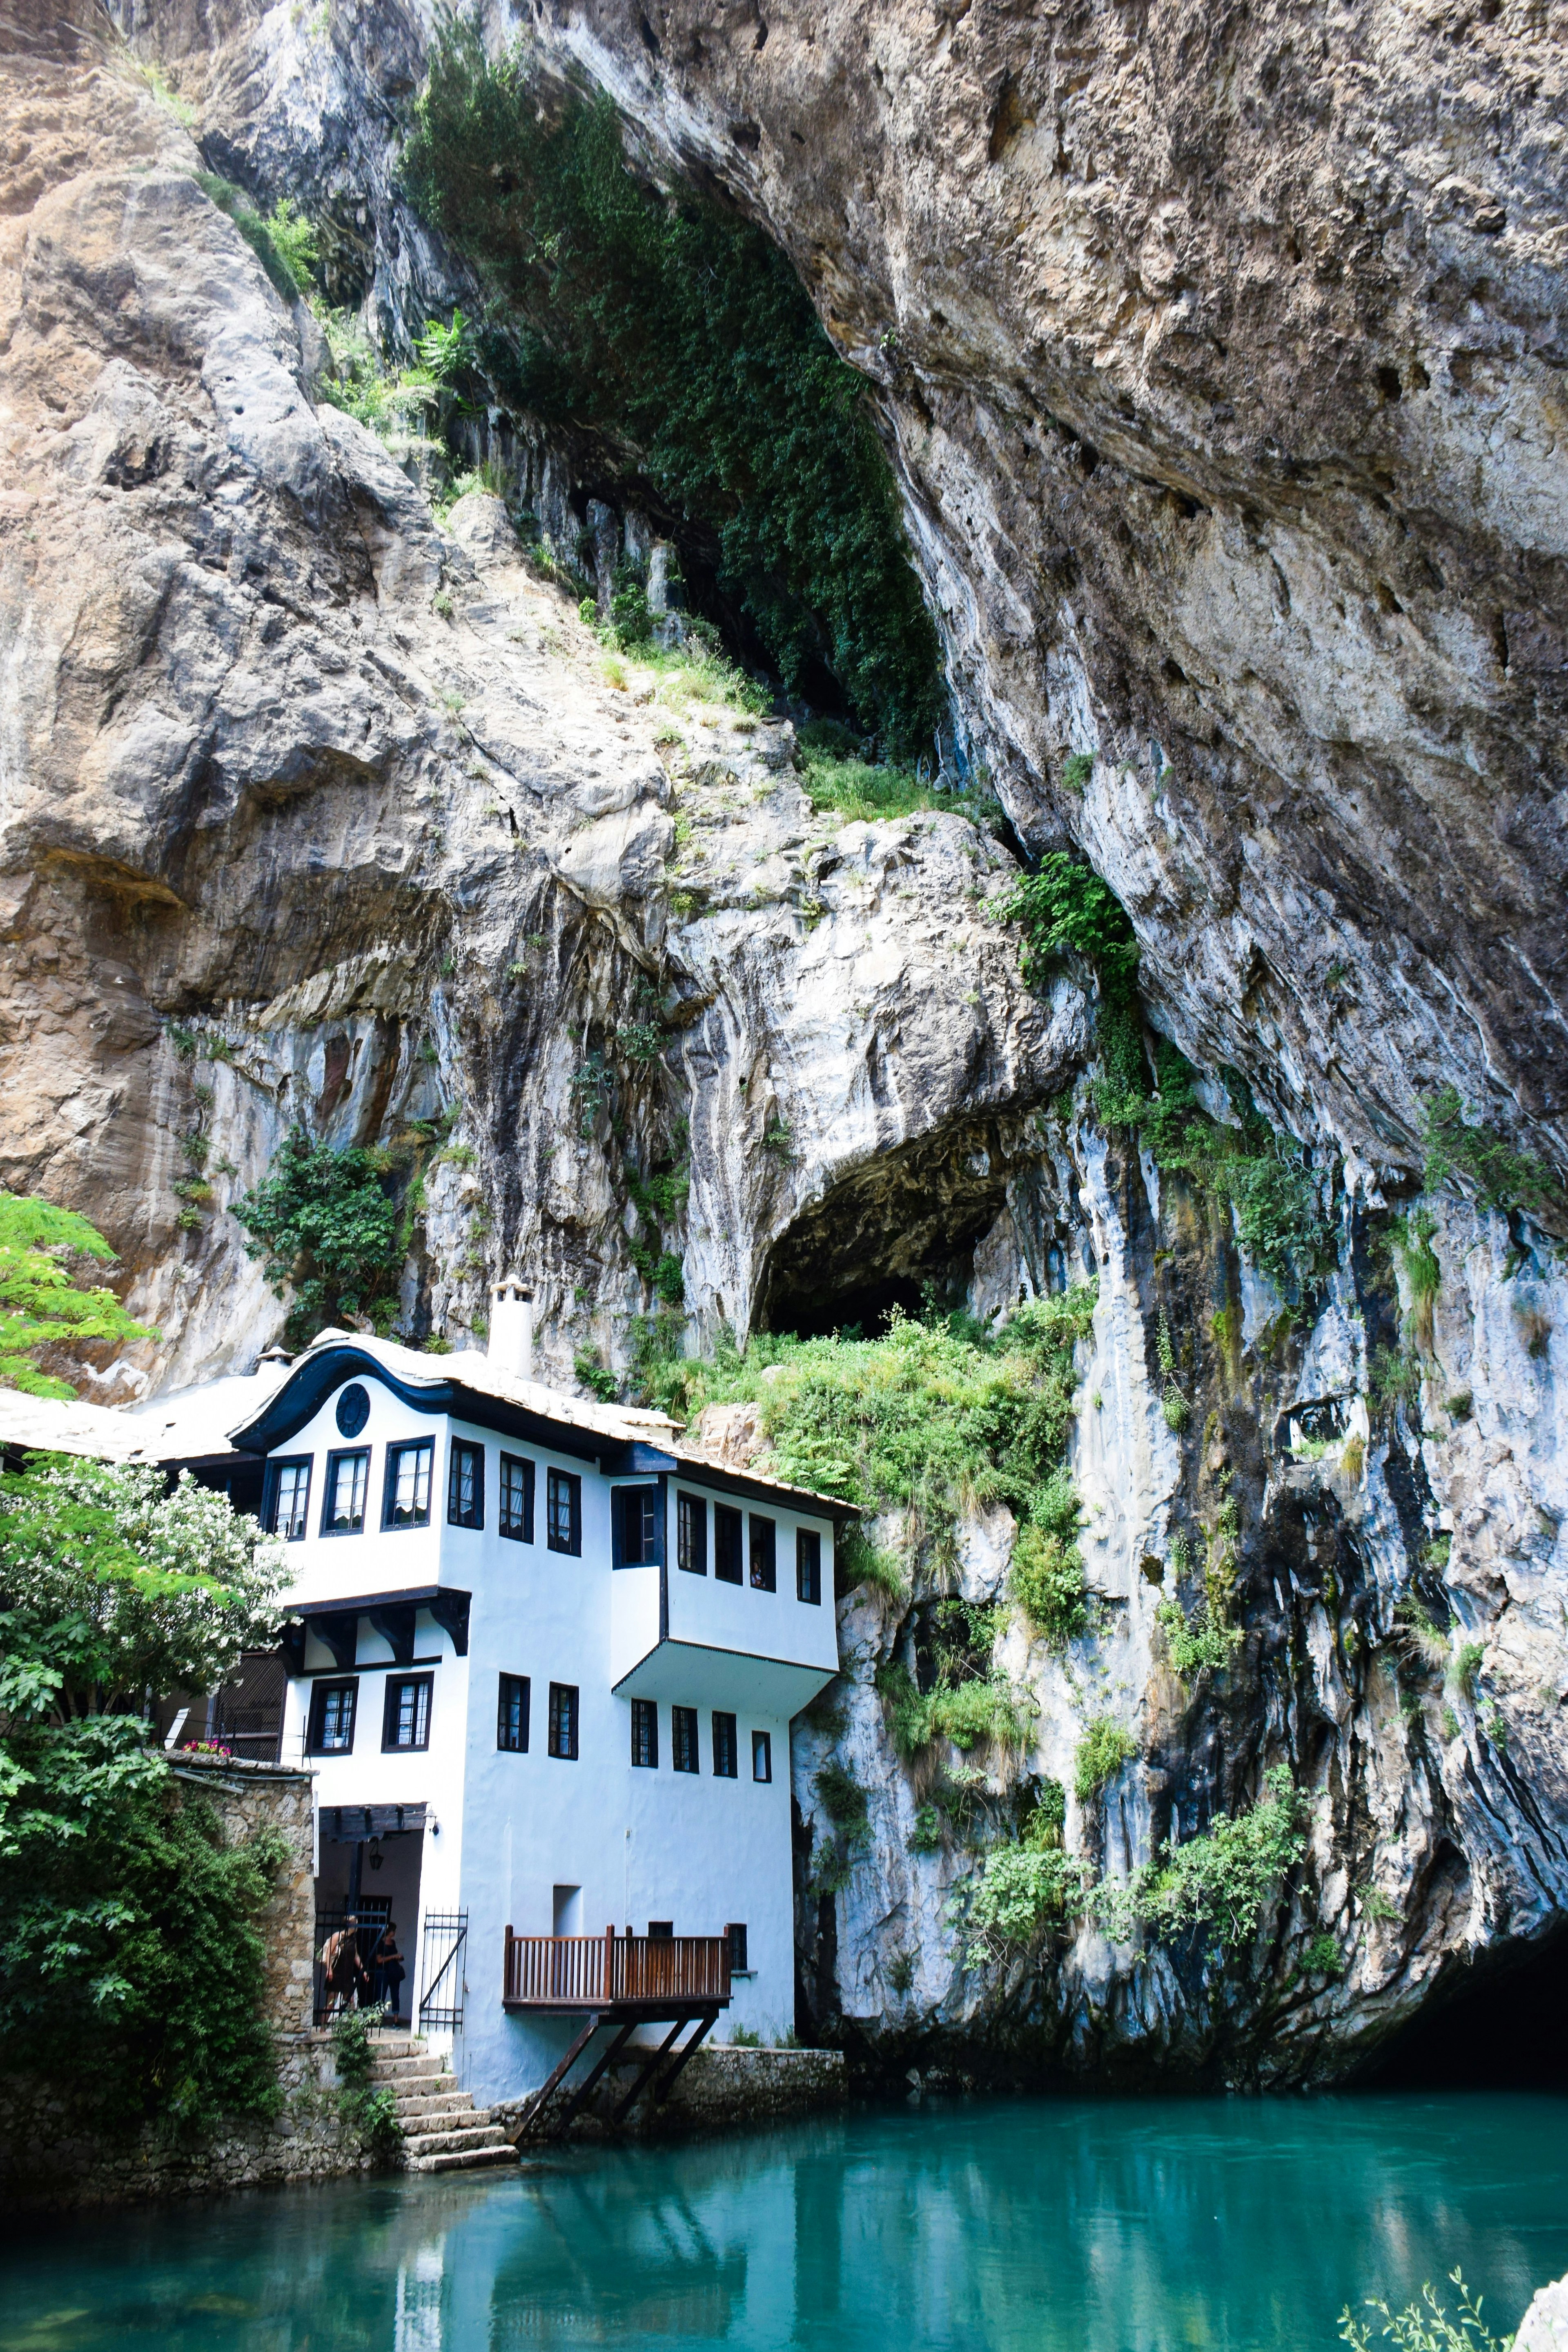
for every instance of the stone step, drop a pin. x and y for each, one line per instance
(471, 2160)
(440, 2103)
(447, 2143)
(394, 2045)
(393, 2071)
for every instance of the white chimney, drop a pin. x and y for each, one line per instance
(511, 1346)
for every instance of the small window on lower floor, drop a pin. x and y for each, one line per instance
(683, 1738)
(735, 1936)
(661, 1931)
(511, 1716)
(563, 1720)
(644, 1732)
(723, 1746)
(762, 1755)
(407, 1723)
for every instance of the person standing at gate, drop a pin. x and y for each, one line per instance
(387, 1962)
(344, 1979)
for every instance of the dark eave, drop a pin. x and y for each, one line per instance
(305, 1391)
(639, 1459)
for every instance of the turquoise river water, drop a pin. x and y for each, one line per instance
(1061, 2225)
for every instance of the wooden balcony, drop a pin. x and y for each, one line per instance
(621, 1976)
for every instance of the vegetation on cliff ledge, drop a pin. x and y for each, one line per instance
(678, 331)
(40, 1306)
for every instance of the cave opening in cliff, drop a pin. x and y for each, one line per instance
(667, 340)
(1505, 2027)
(897, 1235)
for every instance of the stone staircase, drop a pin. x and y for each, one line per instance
(443, 2131)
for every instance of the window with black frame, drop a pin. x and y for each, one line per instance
(288, 1498)
(563, 1721)
(516, 1520)
(406, 1501)
(692, 1534)
(347, 1487)
(765, 1555)
(808, 1565)
(729, 1538)
(636, 1529)
(735, 1936)
(563, 1506)
(724, 1746)
(511, 1716)
(332, 1725)
(466, 1484)
(762, 1755)
(644, 1733)
(683, 1739)
(406, 1723)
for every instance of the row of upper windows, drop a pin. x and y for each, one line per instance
(406, 1725)
(638, 1541)
(406, 1494)
(685, 1742)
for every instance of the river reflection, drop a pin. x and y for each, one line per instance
(1058, 2226)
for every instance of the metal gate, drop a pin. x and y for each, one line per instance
(442, 1953)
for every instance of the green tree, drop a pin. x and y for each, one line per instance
(40, 1306)
(323, 1221)
(113, 1588)
(130, 1969)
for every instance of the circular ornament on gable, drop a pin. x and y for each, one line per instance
(353, 1410)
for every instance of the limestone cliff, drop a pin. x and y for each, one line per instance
(1218, 371)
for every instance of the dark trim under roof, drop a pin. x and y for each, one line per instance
(307, 1388)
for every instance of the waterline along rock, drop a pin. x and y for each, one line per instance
(1220, 370)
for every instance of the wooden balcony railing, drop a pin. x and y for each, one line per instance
(610, 1971)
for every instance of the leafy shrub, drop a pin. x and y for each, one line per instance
(925, 1837)
(837, 775)
(597, 1378)
(1065, 908)
(283, 240)
(370, 2113)
(679, 328)
(1466, 1666)
(1077, 770)
(972, 1714)
(1323, 1956)
(1502, 1177)
(1046, 1579)
(40, 1306)
(1393, 1378)
(842, 1797)
(1221, 1881)
(1025, 1891)
(1102, 1752)
(324, 1224)
(1199, 1643)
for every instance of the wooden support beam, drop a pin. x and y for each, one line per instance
(709, 2020)
(606, 2058)
(640, 2085)
(536, 2103)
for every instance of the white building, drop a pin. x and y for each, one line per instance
(542, 1660)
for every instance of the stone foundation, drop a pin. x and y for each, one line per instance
(720, 2090)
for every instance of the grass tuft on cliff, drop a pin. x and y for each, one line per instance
(679, 333)
(932, 1417)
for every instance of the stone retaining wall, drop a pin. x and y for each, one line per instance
(720, 2090)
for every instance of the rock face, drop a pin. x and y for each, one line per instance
(1222, 360)
(1223, 403)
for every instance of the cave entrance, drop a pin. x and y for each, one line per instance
(900, 1231)
(1505, 2028)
